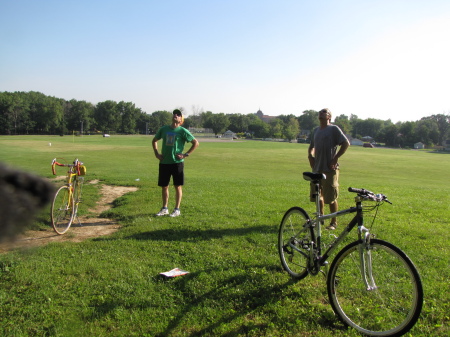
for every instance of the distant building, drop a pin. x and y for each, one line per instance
(419, 145)
(229, 134)
(367, 139)
(446, 145)
(264, 118)
(355, 141)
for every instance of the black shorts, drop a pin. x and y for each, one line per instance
(171, 170)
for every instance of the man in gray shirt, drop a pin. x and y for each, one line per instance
(323, 158)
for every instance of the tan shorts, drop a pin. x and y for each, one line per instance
(329, 188)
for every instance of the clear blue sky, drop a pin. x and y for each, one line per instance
(383, 59)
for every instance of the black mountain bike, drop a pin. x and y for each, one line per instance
(372, 285)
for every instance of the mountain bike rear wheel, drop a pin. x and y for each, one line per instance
(295, 239)
(62, 210)
(391, 301)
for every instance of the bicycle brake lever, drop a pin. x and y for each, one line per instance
(382, 197)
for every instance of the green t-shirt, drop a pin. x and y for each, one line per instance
(173, 141)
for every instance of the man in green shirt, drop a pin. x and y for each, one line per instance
(171, 160)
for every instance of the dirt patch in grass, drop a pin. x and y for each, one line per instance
(91, 226)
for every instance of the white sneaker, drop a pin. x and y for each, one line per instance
(176, 212)
(163, 211)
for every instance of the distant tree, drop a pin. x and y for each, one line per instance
(158, 119)
(128, 114)
(49, 115)
(258, 128)
(35, 113)
(291, 128)
(4, 122)
(344, 124)
(188, 123)
(427, 131)
(354, 120)
(218, 123)
(195, 119)
(238, 122)
(107, 118)
(204, 117)
(381, 135)
(390, 135)
(309, 120)
(443, 125)
(80, 114)
(8, 123)
(276, 127)
(285, 118)
(406, 134)
(18, 111)
(143, 122)
(368, 127)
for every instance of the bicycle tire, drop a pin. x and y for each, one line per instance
(294, 231)
(394, 304)
(62, 210)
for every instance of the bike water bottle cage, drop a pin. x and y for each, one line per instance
(313, 177)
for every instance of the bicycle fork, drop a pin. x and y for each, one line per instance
(365, 259)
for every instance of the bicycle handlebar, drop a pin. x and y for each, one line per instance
(76, 164)
(359, 191)
(368, 195)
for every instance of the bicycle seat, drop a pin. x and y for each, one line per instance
(314, 177)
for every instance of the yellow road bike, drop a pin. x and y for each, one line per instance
(67, 198)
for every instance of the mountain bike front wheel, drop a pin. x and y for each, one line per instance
(295, 239)
(62, 210)
(389, 303)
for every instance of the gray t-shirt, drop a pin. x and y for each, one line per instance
(325, 143)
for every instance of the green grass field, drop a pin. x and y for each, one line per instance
(235, 195)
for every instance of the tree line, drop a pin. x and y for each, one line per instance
(35, 113)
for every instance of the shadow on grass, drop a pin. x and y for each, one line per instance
(258, 302)
(195, 234)
(244, 313)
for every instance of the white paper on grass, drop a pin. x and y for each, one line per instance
(174, 272)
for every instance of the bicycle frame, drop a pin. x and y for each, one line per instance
(316, 256)
(70, 178)
(357, 220)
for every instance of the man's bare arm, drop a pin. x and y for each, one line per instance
(343, 147)
(155, 148)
